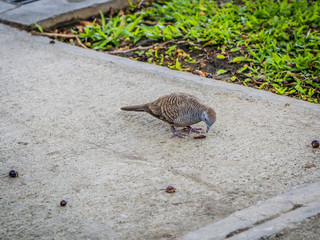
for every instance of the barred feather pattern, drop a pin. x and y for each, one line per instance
(176, 109)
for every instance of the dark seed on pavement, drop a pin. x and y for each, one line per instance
(200, 137)
(315, 144)
(209, 75)
(52, 42)
(170, 189)
(13, 173)
(63, 203)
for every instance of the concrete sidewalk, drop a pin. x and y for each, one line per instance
(50, 13)
(61, 128)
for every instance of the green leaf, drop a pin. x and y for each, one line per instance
(103, 21)
(171, 49)
(235, 49)
(139, 53)
(132, 25)
(241, 59)
(276, 58)
(39, 27)
(221, 71)
(243, 69)
(220, 56)
(300, 89)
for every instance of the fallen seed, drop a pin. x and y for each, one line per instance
(200, 137)
(13, 173)
(170, 189)
(63, 203)
(315, 144)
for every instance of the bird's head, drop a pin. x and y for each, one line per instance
(209, 117)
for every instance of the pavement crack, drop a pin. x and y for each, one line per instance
(196, 179)
(138, 158)
(10, 9)
(130, 158)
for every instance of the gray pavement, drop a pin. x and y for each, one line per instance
(61, 128)
(266, 218)
(49, 13)
(306, 230)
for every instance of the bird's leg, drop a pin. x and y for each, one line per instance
(191, 129)
(175, 133)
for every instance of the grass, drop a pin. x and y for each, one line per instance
(267, 44)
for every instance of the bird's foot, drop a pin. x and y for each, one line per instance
(176, 134)
(191, 129)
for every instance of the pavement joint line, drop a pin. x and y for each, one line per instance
(8, 5)
(269, 216)
(283, 221)
(49, 14)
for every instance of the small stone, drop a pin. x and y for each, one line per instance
(197, 72)
(170, 189)
(52, 42)
(63, 203)
(13, 173)
(209, 75)
(315, 144)
(287, 105)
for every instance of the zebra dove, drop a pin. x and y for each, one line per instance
(178, 110)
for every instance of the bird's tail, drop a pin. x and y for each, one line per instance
(135, 108)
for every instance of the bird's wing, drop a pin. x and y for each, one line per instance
(160, 108)
(169, 108)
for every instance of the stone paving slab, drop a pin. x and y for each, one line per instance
(265, 218)
(61, 128)
(283, 221)
(308, 229)
(49, 13)
(5, 7)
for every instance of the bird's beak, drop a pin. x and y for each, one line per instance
(208, 128)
